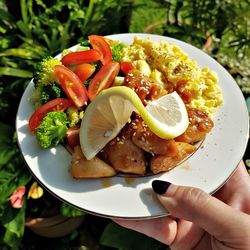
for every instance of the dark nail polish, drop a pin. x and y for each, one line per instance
(160, 187)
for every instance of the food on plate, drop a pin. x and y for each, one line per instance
(170, 66)
(46, 88)
(52, 129)
(134, 109)
(163, 163)
(112, 109)
(94, 168)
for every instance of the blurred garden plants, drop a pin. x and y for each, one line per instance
(33, 29)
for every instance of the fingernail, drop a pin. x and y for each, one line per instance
(160, 187)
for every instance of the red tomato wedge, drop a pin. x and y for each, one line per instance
(71, 85)
(103, 79)
(126, 67)
(84, 71)
(86, 56)
(98, 43)
(58, 104)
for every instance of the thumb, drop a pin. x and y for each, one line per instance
(209, 213)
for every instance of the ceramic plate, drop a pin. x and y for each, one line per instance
(132, 198)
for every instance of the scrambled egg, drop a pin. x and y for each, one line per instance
(166, 62)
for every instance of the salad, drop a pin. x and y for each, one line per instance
(66, 87)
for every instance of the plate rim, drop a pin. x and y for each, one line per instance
(141, 217)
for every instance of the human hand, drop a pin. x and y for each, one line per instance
(205, 222)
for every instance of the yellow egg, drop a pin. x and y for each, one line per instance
(166, 62)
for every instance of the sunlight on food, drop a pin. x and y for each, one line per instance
(167, 63)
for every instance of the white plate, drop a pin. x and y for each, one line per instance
(129, 198)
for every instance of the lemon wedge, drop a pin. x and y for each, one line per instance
(109, 112)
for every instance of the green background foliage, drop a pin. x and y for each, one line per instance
(32, 29)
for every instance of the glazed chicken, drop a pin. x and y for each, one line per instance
(123, 155)
(144, 138)
(94, 168)
(137, 150)
(199, 125)
(163, 163)
(146, 88)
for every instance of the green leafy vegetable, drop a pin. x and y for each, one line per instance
(44, 73)
(85, 43)
(45, 82)
(116, 49)
(52, 130)
(50, 92)
(74, 116)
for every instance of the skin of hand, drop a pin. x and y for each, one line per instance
(204, 222)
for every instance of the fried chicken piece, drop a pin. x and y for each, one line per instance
(200, 124)
(94, 168)
(144, 138)
(163, 163)
(145, 87)
(124, 156)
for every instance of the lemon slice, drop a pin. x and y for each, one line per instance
(105, 117)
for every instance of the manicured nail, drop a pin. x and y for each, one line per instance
(160, 187)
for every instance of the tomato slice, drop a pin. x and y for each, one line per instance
(126, 67)
(58, 104)
(103, 79)
(71, 85)
(98, 43)
(84, 71)
(80, 57)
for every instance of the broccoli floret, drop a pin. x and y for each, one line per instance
(35, 97)
(44, 73)
(45, 82)
(116, 48)
(85, 43)
(50, 92)
(52, 130)
(74, 116)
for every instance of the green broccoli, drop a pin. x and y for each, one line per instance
(50, 92)
(44, 74)
(35, 97)
(52, 130)
(116, 48)
(74, 116)
(45, 82)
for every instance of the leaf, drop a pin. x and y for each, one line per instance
(6, 150)
(13, 221)
(125, 239)
(19, 52)
(15, 72)
(69, 211)
(11, 179)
